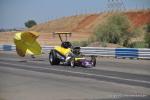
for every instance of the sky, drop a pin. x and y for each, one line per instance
(14, 13)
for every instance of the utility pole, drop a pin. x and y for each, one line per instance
(116, 5)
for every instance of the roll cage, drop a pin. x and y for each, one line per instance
(61, 34)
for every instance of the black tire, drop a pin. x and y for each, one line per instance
(72, 62)
(53, 58)
(93, 60)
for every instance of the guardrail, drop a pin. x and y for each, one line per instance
(7, 48)
(143, 53)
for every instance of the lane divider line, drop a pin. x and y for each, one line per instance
(86, 74)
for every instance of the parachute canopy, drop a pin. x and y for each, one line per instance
(26, 43)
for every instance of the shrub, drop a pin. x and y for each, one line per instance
(147, 39)
(115, 30)
(91, 39)
(104, 44)
(147, 35)
(108, 33)
(84, 43)
(148, 28)
(30, 23)
(138, 44)
(80, 43)
(75, 43)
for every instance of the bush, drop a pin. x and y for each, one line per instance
(108, 33)
(84, 43)
(147, 39)
(91, 39)
(147, 35)
(80, 43)
(104, 44)
(30, 23)
(137, 31)
(148, 28)
(138, 44)
(115, 30)
(75, 43)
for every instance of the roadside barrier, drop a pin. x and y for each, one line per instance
(7, 48)
(143, 53)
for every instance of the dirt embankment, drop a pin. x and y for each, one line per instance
(139, 18)
(82, 26)
(86, 23)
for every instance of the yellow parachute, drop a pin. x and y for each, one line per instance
(26, 43)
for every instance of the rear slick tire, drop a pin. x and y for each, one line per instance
(53, 58)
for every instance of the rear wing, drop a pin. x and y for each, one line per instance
(61, 34)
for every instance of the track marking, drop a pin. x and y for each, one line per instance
(86, 74)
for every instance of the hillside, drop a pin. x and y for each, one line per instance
(72, 23)
(82, 26)
(86, 23)
(139, 18)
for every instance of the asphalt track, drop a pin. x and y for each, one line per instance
(35, 79)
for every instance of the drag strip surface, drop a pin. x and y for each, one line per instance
(42, 65)
(35, 79)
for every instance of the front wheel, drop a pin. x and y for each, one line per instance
(72, 62)
(93, 60)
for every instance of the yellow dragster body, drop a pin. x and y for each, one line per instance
(63, 51)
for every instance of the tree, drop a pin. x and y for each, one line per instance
(30, 23)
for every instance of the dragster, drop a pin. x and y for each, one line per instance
(67, 54)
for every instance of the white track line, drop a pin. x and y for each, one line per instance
(87, 74)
